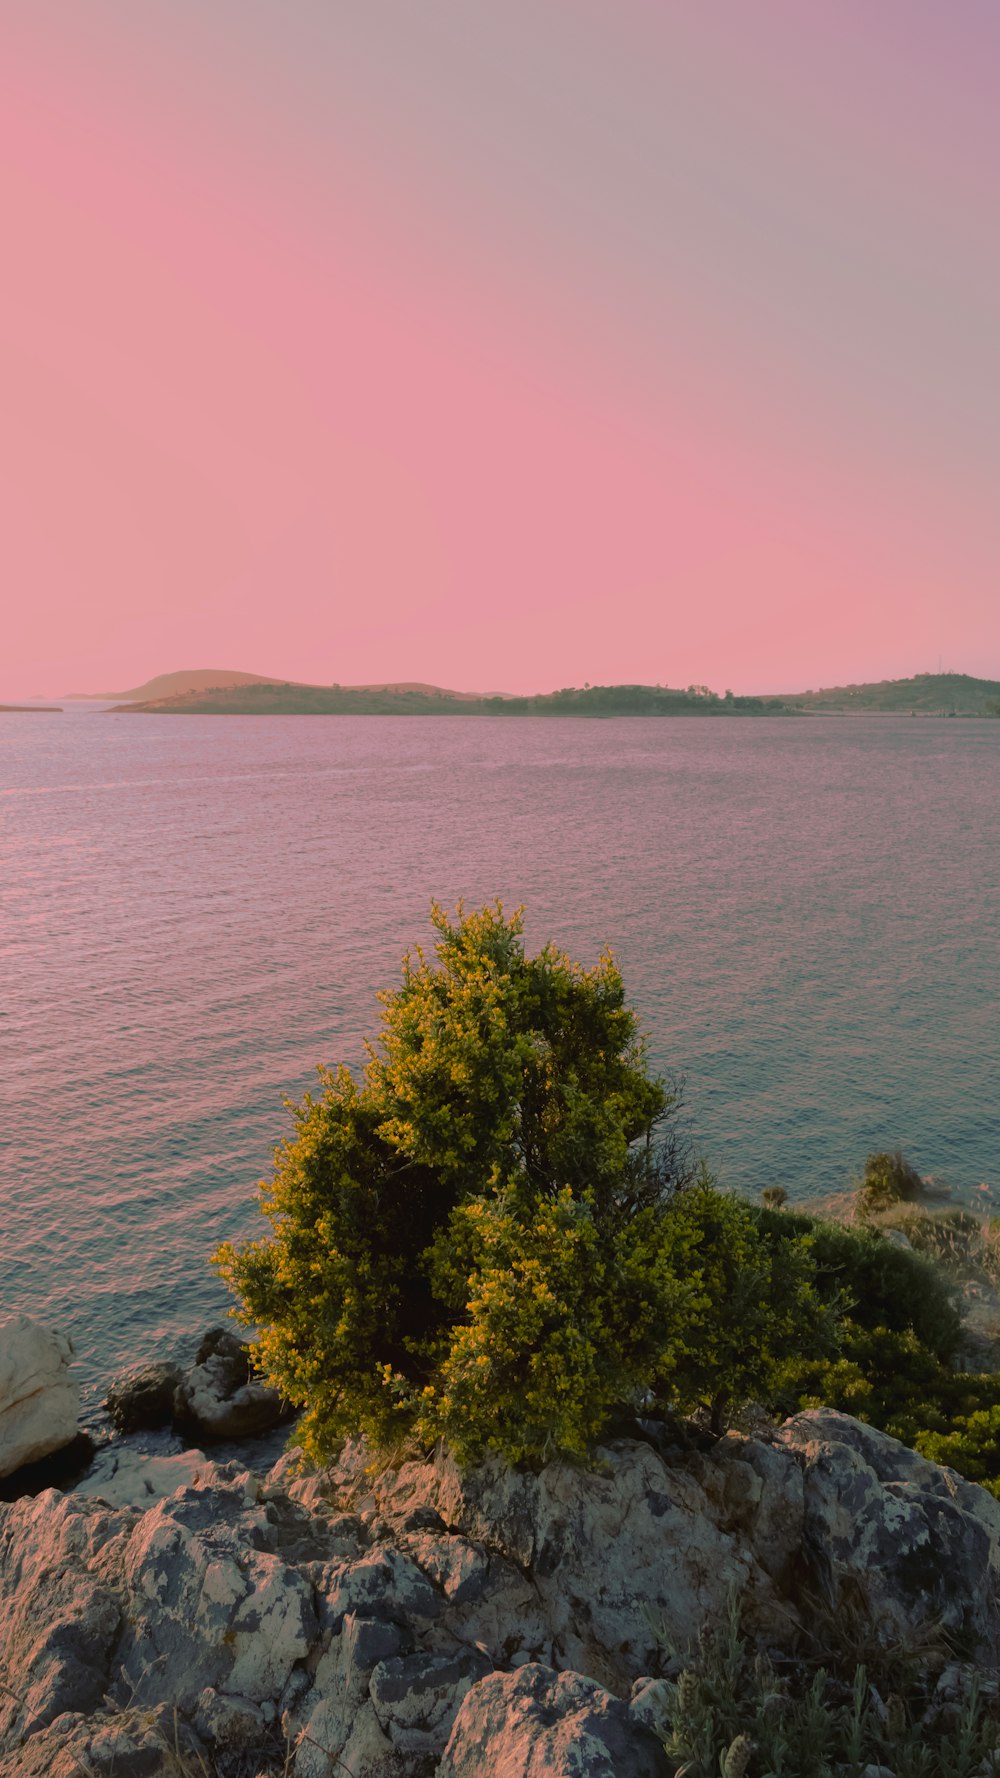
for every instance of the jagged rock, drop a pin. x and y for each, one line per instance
(218, 1399)
(128, 1744)
(614, 1549)
(918, 1545)
(39, 1399)
(60, 1609)
(416, 1697)
(337, 1710)
(364, 1623)
(144, 1398)
(211, 1604)
(540, 1724)
(383, 1580)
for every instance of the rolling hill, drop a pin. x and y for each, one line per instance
(189, 679)
(213, 692)
(925, 694)
(273, 699)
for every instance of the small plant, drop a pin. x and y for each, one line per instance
(774, 1197)
(735, 1713)
(888, 1179)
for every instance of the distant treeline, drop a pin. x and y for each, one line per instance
(925, 694)
(335, 700)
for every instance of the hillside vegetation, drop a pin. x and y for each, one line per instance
(925, 694)
(219, 694)
(274, 699)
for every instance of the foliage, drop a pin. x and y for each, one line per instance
(493, 1236)
(732, 1713)
(874, 1282)
(757, 1306)
(888, 1179)
(471, 1238)
(897, 1341)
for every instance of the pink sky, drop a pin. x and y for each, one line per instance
(504, 348)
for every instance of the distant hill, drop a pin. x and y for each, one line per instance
(197, 680)
(925, 694)
(191, 679)
(214, 693)
(273, 699)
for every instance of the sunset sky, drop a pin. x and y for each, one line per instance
(505, 346)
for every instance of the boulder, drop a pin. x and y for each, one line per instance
(210, 1602)
(144, 1398)
(219, 1399)
(416, 1697)
(536, 1723)
(911, 1542)
(39, 1399)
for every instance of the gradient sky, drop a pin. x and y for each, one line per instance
(505, 346)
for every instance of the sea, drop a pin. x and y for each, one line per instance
(196, 912)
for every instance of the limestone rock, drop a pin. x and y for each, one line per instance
(219, 1398)
(123, 1477)
(462, 1623)
(210, 1603)
(540, 1724)
(144, 1398)
(615, 1550)
(918, 1544)
(39, 1399)
(416, 1697)
(127, 1744)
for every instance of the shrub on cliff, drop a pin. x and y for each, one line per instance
(454, 1236)
(888, 1179)
(490, 1236)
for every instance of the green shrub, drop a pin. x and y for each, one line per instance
(757, 1305)
(734, 1714)
(492, 1235)
(888, 1179)
(470, 1239)
(871, 1280)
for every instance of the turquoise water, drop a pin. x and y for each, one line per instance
(197, 911)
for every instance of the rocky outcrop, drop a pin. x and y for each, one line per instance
(915, 1544)
(219, 1398)
(39, 1398)
(429, 1621)
(635, 1549)
(535, 1723)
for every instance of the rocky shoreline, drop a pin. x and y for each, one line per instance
(174, 1616)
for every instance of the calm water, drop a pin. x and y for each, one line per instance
(197, 911)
